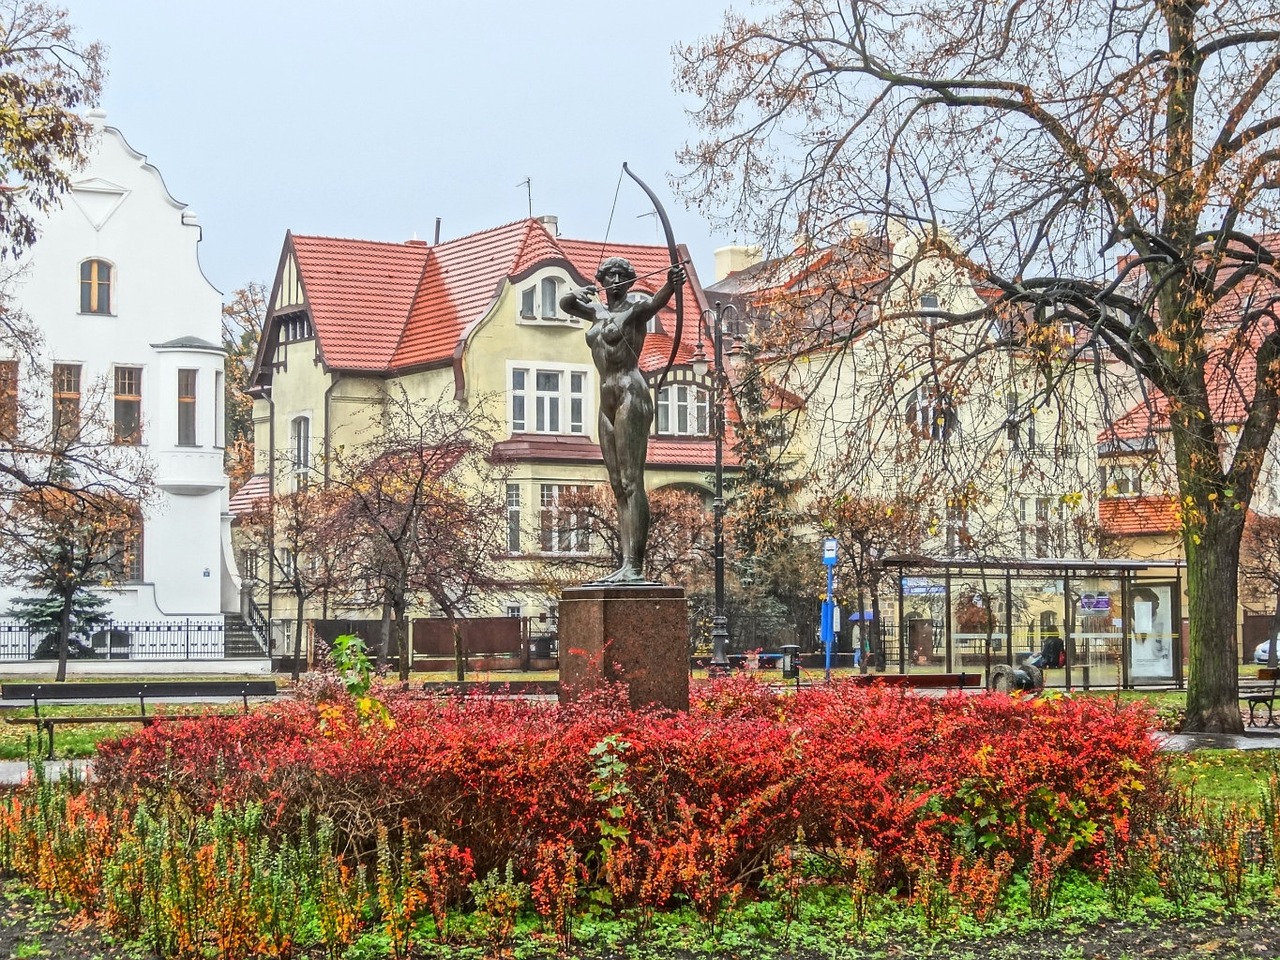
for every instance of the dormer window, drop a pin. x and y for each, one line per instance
(95, 287)
(540, 300)
(550, 288)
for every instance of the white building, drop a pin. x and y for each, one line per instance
(115, 287)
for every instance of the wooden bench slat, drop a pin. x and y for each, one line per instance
(1258, 693)
(136, 693)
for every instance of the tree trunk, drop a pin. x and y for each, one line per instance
(297, 642)
(64, 637)
(1214, 675)
(402, 642)
(384, 641)
(459, 651)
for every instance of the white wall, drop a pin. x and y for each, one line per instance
(165, 316)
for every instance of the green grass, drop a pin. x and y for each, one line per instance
(1225, 776)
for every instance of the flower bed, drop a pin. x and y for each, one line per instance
(330, 814)
(743, 770)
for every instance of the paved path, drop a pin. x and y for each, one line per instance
(13, 772)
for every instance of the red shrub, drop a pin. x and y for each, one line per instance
(721, 787)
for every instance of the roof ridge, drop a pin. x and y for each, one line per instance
(478, 233)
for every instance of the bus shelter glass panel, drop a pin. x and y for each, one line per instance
(922, 632)
(1097, 631)
(979, 632)
(1037, 619)
(1151, 640)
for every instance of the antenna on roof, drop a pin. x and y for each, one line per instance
(656, 226)
(527, 183)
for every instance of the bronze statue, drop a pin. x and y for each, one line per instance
(616, 338)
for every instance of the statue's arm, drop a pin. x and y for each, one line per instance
(577, 303)
(675, 277)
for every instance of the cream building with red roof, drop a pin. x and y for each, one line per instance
(473, 320)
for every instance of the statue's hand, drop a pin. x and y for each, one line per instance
(676, 275)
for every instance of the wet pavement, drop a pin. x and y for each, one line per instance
(1267, 738)
(13, 772)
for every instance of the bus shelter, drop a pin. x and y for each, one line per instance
(1098, 623)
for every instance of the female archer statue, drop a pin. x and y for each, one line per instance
(616, 338)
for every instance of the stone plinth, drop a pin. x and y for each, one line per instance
(634, 635)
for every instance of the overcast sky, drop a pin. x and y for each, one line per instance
(370, 119)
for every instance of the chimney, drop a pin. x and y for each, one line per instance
(551, 222)
(732, 259)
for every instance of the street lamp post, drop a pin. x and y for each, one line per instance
(719, 622)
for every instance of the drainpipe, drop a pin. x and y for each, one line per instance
(328, 393)
(271, 500)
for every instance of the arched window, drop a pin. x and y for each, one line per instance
(550, 297)
(95, 286)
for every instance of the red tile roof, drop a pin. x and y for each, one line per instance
(392, 306)
(360, 294)
(254, 495)
(1236, 328)
(1135, 516)
(663, 451)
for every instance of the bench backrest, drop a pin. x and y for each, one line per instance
(135, 690)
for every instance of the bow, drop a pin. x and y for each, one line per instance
(675, 260)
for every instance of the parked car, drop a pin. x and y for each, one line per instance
(1262, 651)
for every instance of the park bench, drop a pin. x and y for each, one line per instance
(494, 688)
(143, 694)
(922, 681)
(1257, 693)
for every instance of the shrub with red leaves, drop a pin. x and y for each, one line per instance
(715, 791)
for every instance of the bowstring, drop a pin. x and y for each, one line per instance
(604, 244)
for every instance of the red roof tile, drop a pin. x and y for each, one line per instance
(254, 495)
(457, 288)
(388, 306)
(360, 293)
(1134, 516)
(663, 451)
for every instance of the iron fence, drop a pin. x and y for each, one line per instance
(193, 638)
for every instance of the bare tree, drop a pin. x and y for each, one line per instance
(1032, 148)
(679, 549)
(300, 541)
(424, 512)
(46, 75)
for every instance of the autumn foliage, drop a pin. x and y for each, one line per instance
(712, 793)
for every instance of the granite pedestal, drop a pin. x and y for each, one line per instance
(634, 635)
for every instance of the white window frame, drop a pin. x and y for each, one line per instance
(549, 294)
(514, 533)
(925, 408)
(689, 402)
(540, 301)
(189, 407)
(300, 450)
(1121, 480)
(1037, 518)
(556, 533)
(531, 409)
